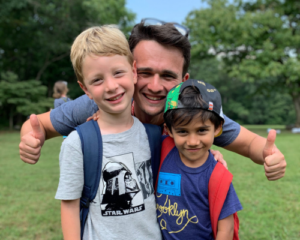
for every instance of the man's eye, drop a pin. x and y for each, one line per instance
(167, 76)
(144, 73)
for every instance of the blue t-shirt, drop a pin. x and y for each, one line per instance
(71, 114)
(182, 199)
(60, 101)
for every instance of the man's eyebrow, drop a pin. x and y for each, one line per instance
(163, 72)
(145, 69)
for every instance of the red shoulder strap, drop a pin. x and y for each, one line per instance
(166, 146)
(218, 187)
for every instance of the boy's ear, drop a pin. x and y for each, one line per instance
(168, 130)
(84, 89)
(218, 131)
(134, 72)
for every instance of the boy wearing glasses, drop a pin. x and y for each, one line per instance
(162, 55)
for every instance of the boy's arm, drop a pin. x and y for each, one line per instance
(261, 151)
(225, 228)
(70, 220)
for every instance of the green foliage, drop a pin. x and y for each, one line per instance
(258, 42)
(244, 102)
(24, 97)
(36, 36)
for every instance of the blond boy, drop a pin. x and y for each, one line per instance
(106, 72)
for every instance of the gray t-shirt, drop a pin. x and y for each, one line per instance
(71, 114)
(124, 207)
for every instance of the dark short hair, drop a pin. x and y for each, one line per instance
(192, 100)
(166, 35)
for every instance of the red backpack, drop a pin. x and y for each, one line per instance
(218, 187)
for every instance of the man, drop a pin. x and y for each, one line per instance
(162, 54)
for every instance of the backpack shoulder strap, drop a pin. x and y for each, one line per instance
(92, 149)
(154, 137)
(166, 146)
(218, 187)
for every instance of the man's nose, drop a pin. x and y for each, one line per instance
(155, 84)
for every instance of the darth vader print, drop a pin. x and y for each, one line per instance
(121, 192)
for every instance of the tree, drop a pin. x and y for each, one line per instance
(257, 42)
(36, 36)
(241, 100)
(22, 97)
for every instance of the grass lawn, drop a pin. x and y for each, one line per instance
(28, 209)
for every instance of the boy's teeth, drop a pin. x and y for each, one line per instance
(115, 98)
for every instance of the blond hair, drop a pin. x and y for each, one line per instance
(60, 88)
(106, 40)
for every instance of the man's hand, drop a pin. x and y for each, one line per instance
(275, 163)
(219, 157)
(95, 116)
(31, 143)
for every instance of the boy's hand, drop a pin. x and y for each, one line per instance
(219, 157)
(31, 143)
(95, 116)
(275, 163)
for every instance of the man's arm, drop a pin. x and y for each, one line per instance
(261, 151)
(61, 121)
(225, 228)
(33, 134)
(70, 221)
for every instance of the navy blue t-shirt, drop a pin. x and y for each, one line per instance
(71, 114)
(182, 199)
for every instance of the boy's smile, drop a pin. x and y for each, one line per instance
(193, 141)
(109, 81)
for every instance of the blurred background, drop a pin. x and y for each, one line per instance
(249, 50)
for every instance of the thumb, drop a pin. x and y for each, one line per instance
(270, 144)
(36, 128)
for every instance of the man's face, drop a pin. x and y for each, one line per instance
(159, 69)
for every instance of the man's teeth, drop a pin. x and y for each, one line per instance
(116, 98)
(154, 98)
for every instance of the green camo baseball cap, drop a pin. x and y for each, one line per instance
(209, 94)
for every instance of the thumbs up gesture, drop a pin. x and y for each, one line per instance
(31, 142)
(275, 163)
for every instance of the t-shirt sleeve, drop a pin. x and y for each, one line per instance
(231, 130)
(231, 205)
(71, 169)
(71, 114)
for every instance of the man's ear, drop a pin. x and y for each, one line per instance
(218, 131)
(168, 130)
(84, 89)
(186, 77)
(134, 71)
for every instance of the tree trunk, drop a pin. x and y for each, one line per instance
(11, 118)
(296, 101)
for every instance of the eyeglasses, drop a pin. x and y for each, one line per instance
(155, 22)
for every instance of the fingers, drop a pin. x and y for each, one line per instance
(29, 148)
(219, 157)
(95, 116)
(275, 165)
